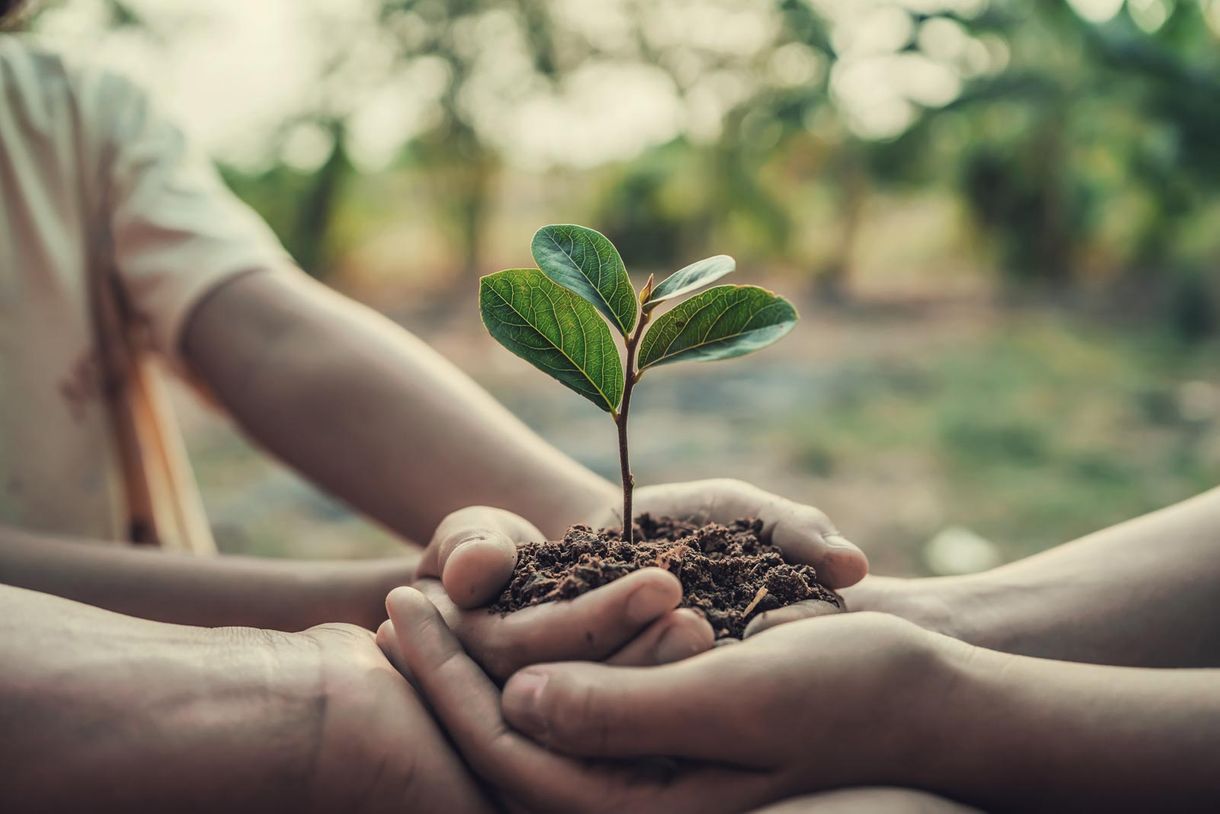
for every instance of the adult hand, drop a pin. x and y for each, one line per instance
(378, 748)
(473, 552)
(803, 533)
(631, 621)
(811, 705)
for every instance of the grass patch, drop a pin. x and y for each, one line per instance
(1041, 432)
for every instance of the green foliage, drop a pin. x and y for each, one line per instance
(554, 330)
(586, 262)
(548, 316)
(692, 277)
(720, 323)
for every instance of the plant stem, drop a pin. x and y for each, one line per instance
(631, 375)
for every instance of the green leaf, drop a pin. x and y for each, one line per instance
(555, 331)
(720, 323)
(696, 275)
(585, 261)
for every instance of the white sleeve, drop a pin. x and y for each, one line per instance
(176, 230)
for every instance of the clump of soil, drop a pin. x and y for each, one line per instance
(723, 569)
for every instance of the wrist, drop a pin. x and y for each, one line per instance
(933, 722)
(923, 726)
(355, 592)
(938, 604)
(954, 728)
(232, 715)
(978, 609)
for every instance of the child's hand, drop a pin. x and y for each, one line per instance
(632, 621)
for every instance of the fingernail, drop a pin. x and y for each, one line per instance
(522, 701)
(676, 644)
(647, 603)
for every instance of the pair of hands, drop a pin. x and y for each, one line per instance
(634, 620)
(802, 707)
(744, 710)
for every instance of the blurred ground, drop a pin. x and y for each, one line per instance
(1016, 206)
(942, 436)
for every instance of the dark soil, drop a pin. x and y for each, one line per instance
(722, 569)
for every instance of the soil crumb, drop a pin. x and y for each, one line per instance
(721, 568)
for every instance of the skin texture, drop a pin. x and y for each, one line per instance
(103, 712)
(372, 414)
(189, 590)
(1021, 733)
(250, 719)
(1144, 593)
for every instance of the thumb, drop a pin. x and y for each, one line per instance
(473, 551)
(806, 534)
(594, 710)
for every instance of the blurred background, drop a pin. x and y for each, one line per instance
(999, 219)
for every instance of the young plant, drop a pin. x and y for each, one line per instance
(549, 316)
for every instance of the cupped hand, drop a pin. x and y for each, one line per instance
(634, 620)
(806, 706)
(803, 533)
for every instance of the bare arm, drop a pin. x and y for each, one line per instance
(854, 699)
(1143, 593)
(207, 591)
(371, 413)
(1040, 735)
(102, 712)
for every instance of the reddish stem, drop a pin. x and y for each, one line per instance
(630, 377)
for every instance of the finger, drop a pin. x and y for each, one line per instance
(467, 705)
(592, 626)
(675, 636)
(809, 609)
(389, 644)
(806, 535)
(477, 568)
(461, 695)
(595, 710)
(474, 551)
(803, 533)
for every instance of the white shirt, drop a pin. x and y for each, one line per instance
(93, 181)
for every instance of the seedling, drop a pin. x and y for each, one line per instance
(549, 316)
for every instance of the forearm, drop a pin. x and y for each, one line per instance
(1017, 733)
(103, 712)
(372, 414)
(205, 591)
(1143, 593)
